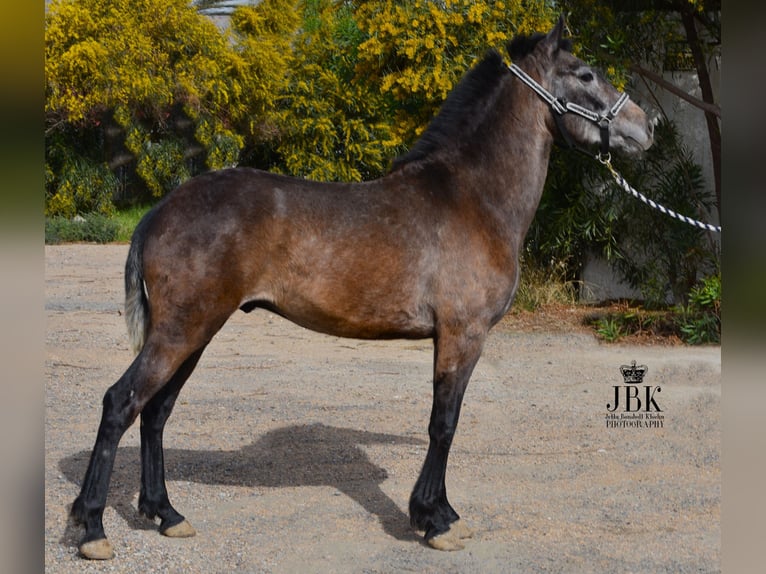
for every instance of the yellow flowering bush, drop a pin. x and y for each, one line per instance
(334, 125)
(417, 51)
(325, 89)
(184, 95)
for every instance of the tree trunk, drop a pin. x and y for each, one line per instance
(714, 130)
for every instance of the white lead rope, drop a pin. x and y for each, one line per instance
(624, 184)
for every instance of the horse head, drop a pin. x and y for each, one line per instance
(586, 109)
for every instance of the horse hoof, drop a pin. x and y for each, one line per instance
(181, 530)
(97, 550)
(451, 540)
(446, 541)
(461, 530)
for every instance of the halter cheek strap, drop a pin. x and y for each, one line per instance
(561, 107)
(606, 119)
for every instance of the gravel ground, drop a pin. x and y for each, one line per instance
(291, 451)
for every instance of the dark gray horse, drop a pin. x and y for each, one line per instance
(431, 250)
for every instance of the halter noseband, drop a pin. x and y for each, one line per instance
(560, 107)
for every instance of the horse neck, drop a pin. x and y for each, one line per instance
(511, 165)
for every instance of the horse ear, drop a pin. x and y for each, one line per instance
(555, 38)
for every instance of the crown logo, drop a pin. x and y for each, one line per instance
(633, 375)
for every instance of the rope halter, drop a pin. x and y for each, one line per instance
(561, 107)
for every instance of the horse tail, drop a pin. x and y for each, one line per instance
(136, 297)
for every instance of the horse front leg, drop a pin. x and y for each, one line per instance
(430, 511)
(153, 499)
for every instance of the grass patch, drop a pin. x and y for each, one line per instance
(540, 288)
(94, 227)
(91, 228)
(625, 319)
(697, 323)
(127, 219)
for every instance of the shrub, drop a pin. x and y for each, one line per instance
(700, 320)
(93, 227)
(155, 90)
(81, 186)
(583, 211)
(610, 329)
(696, 323)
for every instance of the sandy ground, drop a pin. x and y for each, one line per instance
(291, 451)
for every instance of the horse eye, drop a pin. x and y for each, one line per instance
(586, 77)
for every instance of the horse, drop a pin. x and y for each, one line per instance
(428, 250)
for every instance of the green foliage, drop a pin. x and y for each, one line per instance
(364, 78)
(92, 228)
(333, 124)
(326, 89)
(160, 164)
(696, 323)
(583, 211)
(661, 256)
(77, 184)
(615, 39)
(127, 219)
(571, 220)
(609, 329)
(263, 37)
(128, 55)
(700, 320)
(609, 32)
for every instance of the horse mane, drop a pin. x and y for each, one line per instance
(461, 111)
(467, 103)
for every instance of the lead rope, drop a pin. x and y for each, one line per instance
(650, 202)
(560, 108)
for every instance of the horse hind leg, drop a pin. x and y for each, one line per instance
(122, 403)
(153, 499)
(117, 415)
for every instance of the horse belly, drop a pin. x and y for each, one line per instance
(345, 296)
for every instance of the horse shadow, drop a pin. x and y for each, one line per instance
(300, 455)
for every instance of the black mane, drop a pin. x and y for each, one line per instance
(459, 113)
